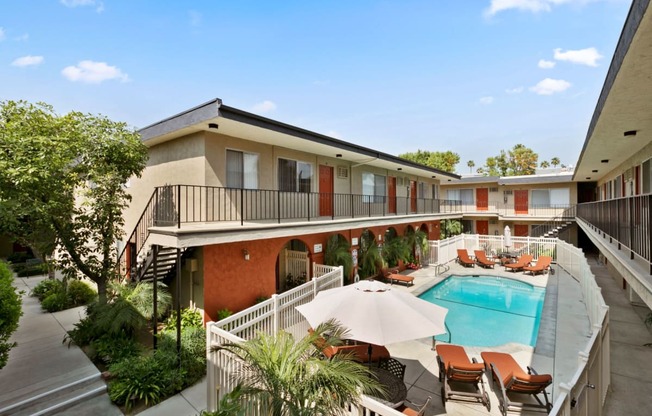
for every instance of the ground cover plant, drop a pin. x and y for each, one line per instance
(117, 336)
(10, 312)
(56, 295)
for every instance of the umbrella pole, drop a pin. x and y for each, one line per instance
(369, 348)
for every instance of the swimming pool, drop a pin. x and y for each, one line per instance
(487, 310)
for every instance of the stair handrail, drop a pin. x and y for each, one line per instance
(541, 229)
(144, 222)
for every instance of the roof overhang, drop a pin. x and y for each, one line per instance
(213, 116)
(625, 103)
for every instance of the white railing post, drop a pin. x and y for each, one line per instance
(341, 268)
(275, 312)
(315, 288)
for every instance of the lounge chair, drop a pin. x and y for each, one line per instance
(543, 265)
(456, 368)
(511, 378)
(464, 259)
(420, 412)
(522, 261)
(396, 278)
(482, 260)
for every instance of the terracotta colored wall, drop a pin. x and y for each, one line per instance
(232, 282)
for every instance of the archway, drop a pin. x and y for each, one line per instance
(369, 258)
(292, 265)
(338, 253)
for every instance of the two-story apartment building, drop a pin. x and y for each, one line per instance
(616, 157)
(489, 203)
(250, 202)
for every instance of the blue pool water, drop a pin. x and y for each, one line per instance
(487, 310)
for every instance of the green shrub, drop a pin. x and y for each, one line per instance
(79, 293)
(189, 318)
(138, 378)
(33, 270)
(193, 351)
(18, 257)
(47, 287)
(10, 312)
(223, 313)
(55, 301)
(114, 348)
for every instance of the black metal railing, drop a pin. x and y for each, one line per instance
(504, 209)
(173, 205)
(625, 220)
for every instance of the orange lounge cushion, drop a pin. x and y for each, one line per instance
(509, 368)
(401, 277)
(466, 367)
(359, 352)
(456, 356)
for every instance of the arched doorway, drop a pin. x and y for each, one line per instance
(292, 265)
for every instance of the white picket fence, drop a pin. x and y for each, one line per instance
(574, 399)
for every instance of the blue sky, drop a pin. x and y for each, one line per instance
(471, 76)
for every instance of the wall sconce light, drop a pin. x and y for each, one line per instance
(245, 253)
(338, 155)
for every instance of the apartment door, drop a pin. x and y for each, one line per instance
(391, 195)
(521, 230)
(413, 196)
(325, 191)
(482, 227)
(482, 199)
(520, 202)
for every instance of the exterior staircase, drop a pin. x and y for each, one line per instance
(557, 225)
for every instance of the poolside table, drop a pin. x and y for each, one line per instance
(394, 386)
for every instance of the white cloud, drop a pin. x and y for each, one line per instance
(22, 38)
(534, 6)
(546, 64)
(516, 90)
(588, 56)
(264, 107)
(28, 60)
(91, 72)
(99, 6)
(2, 34)
(486, 100)
(550, 86)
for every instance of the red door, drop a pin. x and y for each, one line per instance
(520, 202)
(413, 196)
(482, 199)
(391, 194)
(637, 186)
(482, 227)
(521, 230)
(325, 191)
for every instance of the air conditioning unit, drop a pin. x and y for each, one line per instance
(493, 189)
(399, 181)
(342, 172)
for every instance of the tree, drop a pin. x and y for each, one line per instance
(369, 255)
(289, 377)
(544, 164)
(520, 160)
(555, 161)
(62, 184)
(450, 228)
(444, 161)
(338, 253)
(471, 165)
(10, 312)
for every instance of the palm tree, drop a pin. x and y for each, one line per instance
(395, 249)
(370, 258)
(544, 164)
(417, 241)
(338, 253)
(289, 377)
(471, 165)
(555, 161)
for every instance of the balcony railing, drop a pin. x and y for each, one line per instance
(174, 205)
(504, 209)
(625, 220)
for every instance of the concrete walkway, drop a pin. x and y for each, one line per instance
(41, 362)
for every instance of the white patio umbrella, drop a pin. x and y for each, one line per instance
(508, 237)
(376, 313)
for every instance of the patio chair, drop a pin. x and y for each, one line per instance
(464, 259)
(456, 368)
(396, 278)
(543, 265)
(522, 261)
(420, 412)
(482, 260)
(508, 374)
(394, 366)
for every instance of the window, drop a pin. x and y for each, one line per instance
(540, 198)
(241, 170)
(551, 197)
(464, 195)
(373, 187)
(421, 190)
(294, 176)
(435, 191)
